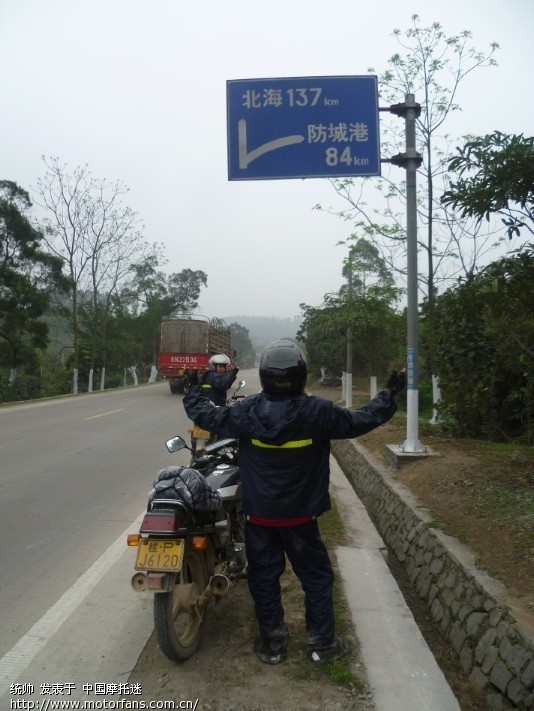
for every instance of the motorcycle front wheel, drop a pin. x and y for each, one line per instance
(177, 626)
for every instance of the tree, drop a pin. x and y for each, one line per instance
(377, 334)
(366, 304)
(495, 176)
(365, 268)
(147, 298)
(432, 67)
(28, 274)
(161, 294)
(323, 331)
(241, 343)
(116, 243)
(95, 236)
(486, 351)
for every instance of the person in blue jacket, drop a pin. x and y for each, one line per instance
(284, 440)
(218, 379)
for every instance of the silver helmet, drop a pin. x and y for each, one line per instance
(220, 359)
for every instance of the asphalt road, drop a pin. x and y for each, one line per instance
(74, 478)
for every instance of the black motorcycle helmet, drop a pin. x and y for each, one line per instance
(283, 369)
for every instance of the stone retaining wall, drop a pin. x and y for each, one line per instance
(468, 605)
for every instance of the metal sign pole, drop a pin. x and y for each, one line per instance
(348, 377)
(348, 374)
(411, 160)
(412, 443)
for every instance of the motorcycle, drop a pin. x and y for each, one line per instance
(186, 557)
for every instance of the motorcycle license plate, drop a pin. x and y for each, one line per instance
(163, 555)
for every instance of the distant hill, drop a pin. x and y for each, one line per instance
(264, 329)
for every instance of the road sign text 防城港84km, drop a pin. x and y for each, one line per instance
(307, 127)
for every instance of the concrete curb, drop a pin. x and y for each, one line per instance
(401, 669)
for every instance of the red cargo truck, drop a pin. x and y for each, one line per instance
(187, 342)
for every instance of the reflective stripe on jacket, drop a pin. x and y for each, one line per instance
(292, 444)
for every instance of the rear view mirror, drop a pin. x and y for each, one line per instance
(175, 444)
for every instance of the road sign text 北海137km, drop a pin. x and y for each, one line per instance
(307, 127)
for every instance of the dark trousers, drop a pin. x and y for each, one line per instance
(266, 555)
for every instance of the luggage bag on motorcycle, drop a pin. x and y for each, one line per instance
(186, 485)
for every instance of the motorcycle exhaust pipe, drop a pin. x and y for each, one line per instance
(219, 585)
(139, 582)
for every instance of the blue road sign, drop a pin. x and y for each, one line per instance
(307, 127)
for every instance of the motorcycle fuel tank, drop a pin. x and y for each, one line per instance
(225, 479)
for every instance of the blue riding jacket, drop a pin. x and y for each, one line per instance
(215, 385)
(284, 445)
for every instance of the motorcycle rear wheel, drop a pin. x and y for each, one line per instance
(177, 628)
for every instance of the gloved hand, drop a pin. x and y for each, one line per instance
(396, 382)
(193, 378)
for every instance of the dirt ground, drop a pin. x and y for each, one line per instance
(467, 487)
(225, 674)
(463, 488)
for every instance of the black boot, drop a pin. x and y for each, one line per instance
(272, 652)
(339, 648)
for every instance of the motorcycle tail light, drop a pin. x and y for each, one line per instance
(199, 543)
(156, 581)
(160, 522)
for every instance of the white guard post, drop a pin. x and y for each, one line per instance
(348, 389)
(412, 444)
(436, 397)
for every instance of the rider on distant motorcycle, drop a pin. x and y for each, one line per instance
(217, 380)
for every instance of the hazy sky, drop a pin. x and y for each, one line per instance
(137, 90)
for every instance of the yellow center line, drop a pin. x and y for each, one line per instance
(112, 412)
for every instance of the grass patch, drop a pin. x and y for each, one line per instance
(359, 400)
(512, 509)
(332, 528)
(505, 447)
(334, 534)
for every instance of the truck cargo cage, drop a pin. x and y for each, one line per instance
(187, 342)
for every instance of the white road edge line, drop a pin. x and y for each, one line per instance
(19, 657)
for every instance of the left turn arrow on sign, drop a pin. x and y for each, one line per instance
(245, 157)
